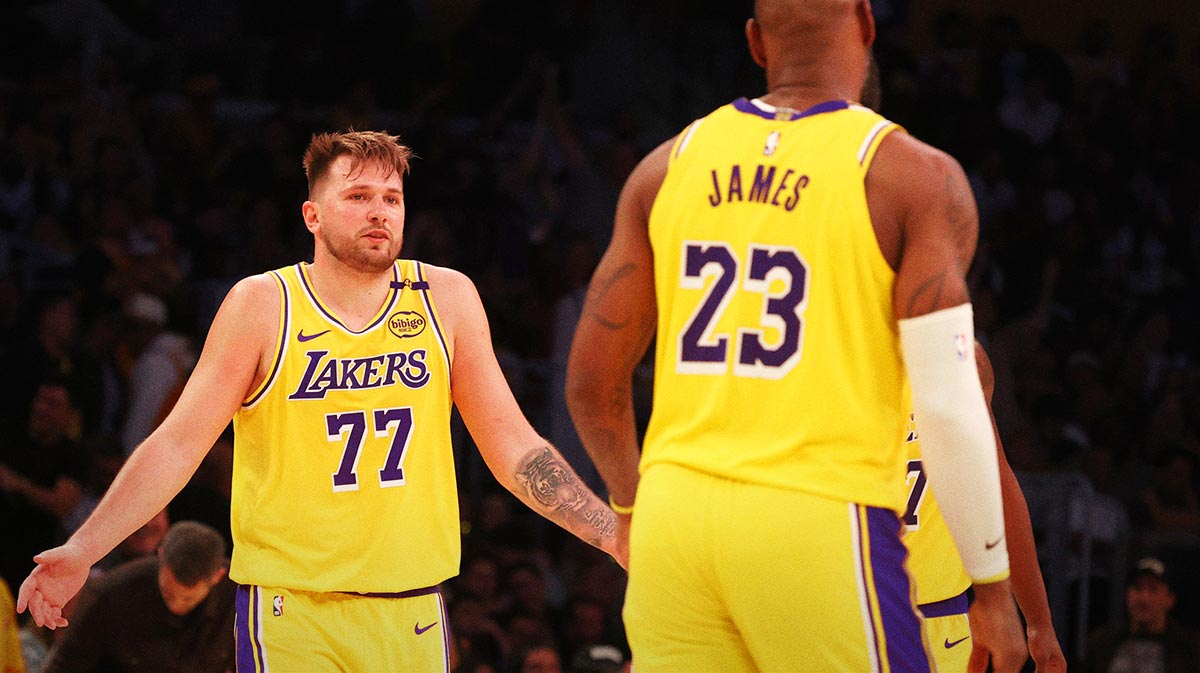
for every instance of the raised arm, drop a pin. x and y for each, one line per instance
(927, 225)
(1027, 583)
(522, 461)
(161, 466)
(615, 327)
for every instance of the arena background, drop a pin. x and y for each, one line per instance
(154, 147)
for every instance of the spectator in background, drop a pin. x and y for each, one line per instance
(541, 658)
(42, 472)
(598, 659)
(162, 360)
(1171, 502)
(1150, 642)
(167, 613)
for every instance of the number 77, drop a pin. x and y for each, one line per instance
(353, 424)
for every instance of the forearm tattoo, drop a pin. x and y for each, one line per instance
(553, 485)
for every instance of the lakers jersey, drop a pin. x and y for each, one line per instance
(343, 470)
(933, 560)
(778, 359)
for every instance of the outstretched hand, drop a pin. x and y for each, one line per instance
(59, 575)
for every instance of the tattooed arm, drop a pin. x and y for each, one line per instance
(615, 328)
(521, 460)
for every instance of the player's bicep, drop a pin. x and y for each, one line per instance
(939, 227)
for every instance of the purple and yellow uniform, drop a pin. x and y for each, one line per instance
(938, 573)
(346, 439)
(779, 387)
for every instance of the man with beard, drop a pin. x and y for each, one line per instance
(339, 376)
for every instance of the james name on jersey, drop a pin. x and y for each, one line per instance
(763, 188)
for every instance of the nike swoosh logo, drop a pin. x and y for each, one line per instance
(949, 644)
(302, 337)
(418, 629)
(990, 545)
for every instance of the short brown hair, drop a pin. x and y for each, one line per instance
(193, 551)
(362, 146)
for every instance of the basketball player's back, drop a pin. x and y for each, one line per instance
(777, 357)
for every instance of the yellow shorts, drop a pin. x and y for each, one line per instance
(285, 631)
(727, 576)
(949, 633)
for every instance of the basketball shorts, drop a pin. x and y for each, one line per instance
(726, 576)
(285, 631)
(949, 633)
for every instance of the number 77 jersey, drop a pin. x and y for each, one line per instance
(343, 469)
(778, 359)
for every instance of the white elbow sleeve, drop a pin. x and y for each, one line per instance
(958, 446)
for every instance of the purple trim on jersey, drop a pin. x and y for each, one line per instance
(958, 605)
(748, 106)
(866, 147)
(901, 628)
(283, 339)
(411, 593)
(249, 647)
(437, 327)
(383, 315)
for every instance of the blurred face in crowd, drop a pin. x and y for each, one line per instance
(541, 660)
(357, 215)
(52, 414)
(182, 598)
(1149, 599)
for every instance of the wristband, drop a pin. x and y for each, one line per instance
(619, 509)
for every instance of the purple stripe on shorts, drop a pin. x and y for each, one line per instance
(957, 605)
(901, 628)
(249, 650)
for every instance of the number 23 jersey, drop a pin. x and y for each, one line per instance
(777, 358)
(343, 474)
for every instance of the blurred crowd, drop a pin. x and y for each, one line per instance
(150, 157)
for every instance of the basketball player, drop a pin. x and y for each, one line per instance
(800, 262)
(339, 376)
(941, 584)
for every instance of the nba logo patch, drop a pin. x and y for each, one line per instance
(772, 143)
(960, 345)
(277, 606)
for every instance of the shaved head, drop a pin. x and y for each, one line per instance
(784, 19)
(812, 45)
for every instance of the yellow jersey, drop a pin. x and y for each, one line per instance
(933, 560)
(343, 474)
(777, 358)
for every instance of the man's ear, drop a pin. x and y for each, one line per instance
(866, 22)
(754, 40)
(312, 215)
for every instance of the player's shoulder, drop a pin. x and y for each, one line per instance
(446, 277)
(254, 291)
(452, 289)
(913, 158)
